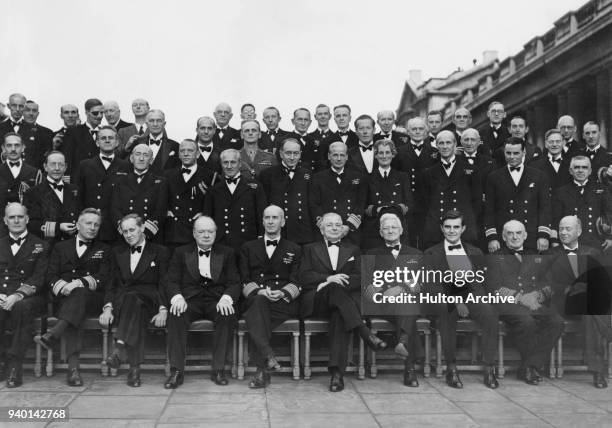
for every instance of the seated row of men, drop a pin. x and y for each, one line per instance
(272, 279)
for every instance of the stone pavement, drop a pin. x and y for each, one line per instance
(382, 402)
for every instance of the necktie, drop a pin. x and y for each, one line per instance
(57, 186)
(136, 249)
(84, 243)
(272, 243)
(106, 158)
(186, 170)
(394, 247)
(580, 189)
(330, 244)
(204, 253)
(386, 175)
(365, 149)
(93, 133)
(154, 142)
(515, 168)
(454, 247)
(230, 180)
(15, 241)
(141, 130)
(206, 149)
(14, 164)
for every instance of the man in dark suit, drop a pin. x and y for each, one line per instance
(518, 130)
(135, 295)
(518, 192)
(495, 133)
(313, 148)
(451, 184)
(268, 271)
(572, 147)
(163, 149)
(80, 142)
(79, 271)
(23, 263)
(253, 159)
(112, 114)
(554, 163)
(96, 178)
(37, 139)
(322, 116)
(454, 255)
(600, 158)
(581, 291)
(16, 105)
(187, 187)
(209, 152)
(225, 137)
(236, 203)
(129, 134)
(385, 120)
(330, 276)
(515, 271)
(288, 186)
(247, 111)
(462, 119)
(340, 190)
(69, 114)
(362, 156)
(273, 136)
(202, 282)
(388, 257)
(342, 117)
(142, 192)
(434, 125)
(53, 205)
(17, 175)
(388, 190)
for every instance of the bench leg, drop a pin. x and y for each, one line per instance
(427, 362)
(560, 357)
(49, 367)
(609, 360)
(361, 367)
(240, 355)
(501, 370)
(295, 355)
(552, 370)
(373, 368)
(235, 356)
(38, 361)
(438, 354)
(104, 369)
(307, 371)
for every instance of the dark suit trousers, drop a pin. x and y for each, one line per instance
(486, 318)
(406, 328)
(74, 308)
(535, 333)
(134, 314)
(19, 319)
(335, 302)
(198, 307)
(263, 316)
(597, 334)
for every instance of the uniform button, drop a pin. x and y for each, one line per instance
(241, 215)
(145, 207)
(6, 277)
(4, 285)
(441, 201)
(276, 282)
(277, 275)
(145, 215)
(262, 275)
(590, 230)
(525, 211)
(131, 201)
(176, 208)
(98, 197)
(190, 209)
(511, 211)
(299, 194)
(334, 201)
(377, 194)
(441, 193)
(590, 208)
(590, 216)
(299, 217)
(526, 202)
(392, 201)
(175, 218)
(454, 191)
(225, 217)
(99, 184)
(73, 271)
(131, 208)
(242, 230)
(441, 210)
(226, 210)
(146, 200)
(226, 225)
(511, 201)
(285, 200)
(394, 193)
(241, 208)
(454, 200)
(525, 221)
(177, 197)
(335, 207)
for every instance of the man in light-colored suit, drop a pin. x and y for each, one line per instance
(129, 134)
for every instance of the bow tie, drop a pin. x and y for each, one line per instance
(568, 250)
(394, 247)
(557, 160)
(288, 170)
(205, 149)
(93, 132)
(230, 180)
(365, 149)
(342, 134)
(155, 142)
(272, 132)
(106, 158)
(383, 135)
(14, 124)
(417, 146)
(15, 241)
(331, 244)
(204, 253)
(14, 164)
(136, 249)
(447, 166)
(139, 177)
(84, 243)
(454, 247)
(519, 252)
(591, 151)
(515, 168)
(57, 186)
(272, 243)
(141, 130)
(340, 176)
(186, 170)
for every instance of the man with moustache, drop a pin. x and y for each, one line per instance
(312, 149)
(79, 272)
(362, 157)
(187, 188)
(202, 282)
(225, 137)
(37, 139)
(17, 176)
(288, 186)
(135, 295)
(96, 178)
(129, 134)
(112, 114)
(495, 132)
(572, 147)
(209, 152)
(23, 262)
(69, 113)
(385, 120)
(80, 141)
(268, 271)
(274, 135)
(254, 160)
(555, 164)
(164, 150)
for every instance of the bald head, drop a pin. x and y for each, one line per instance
(567, 126)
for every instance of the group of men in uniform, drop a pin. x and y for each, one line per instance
(272, 224)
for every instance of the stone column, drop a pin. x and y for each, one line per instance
(539, 123)
(574, 105)
(561, 103)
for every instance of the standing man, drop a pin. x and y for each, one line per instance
(70, 116)
(112, 114)
(568, 129)
(600, 158)
(342, 117)
(434, 124)
(518, 130)
(254, 159)
(202, 282)
(209, 152)
(247, 111)
(495, 133)
(37, 139)
(555, 164)
(23, 261)
(462, 119)
(80, 142)
(18, 176)
(322, 116)
(313, 149)
(330, 276)
(16, 105)
(268, 269)
(386, 120)
(163, 149)
(288, 186)
(271, 138)
(135, 295)
(362, 157)
(129, 134)
(79, 271)
(225, 137)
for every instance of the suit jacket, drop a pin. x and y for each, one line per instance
(214, 162)
(269, 144)
(253, 168)
(490, 141)
(124, 135)
(529, 203)
(318, 137)
(532, 153)
(167, 155)
(399, 138)
(600, 160)
(574, 148)
(316, 266)
(292, 195)
(122, 124)
(239, 215)
(555, 178)
(483, 165)
(15, 187)
(78, 145)
(280, 272)
(96, 189)
(504, 269)
(352, 140)
(381, 258)
(184, 276)
(38, 141)
(314, 151)
(185, 201)
(231, 139)
(25, 271)
(407, 161)
(92, 269)
(147, 279)
(355, 160)
(46, 211)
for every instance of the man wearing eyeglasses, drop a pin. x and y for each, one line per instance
(129, 134)
(164, 150)
(496, 132)
(225, 137)
(462, 119)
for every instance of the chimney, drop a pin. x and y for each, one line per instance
(489, 56)
(416, 77)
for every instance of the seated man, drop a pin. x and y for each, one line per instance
(79, 270)
(23, 260)
(202, 282)
(330, 275)
(451, 255)
(514, 271)
(135, 295)
(268, 269)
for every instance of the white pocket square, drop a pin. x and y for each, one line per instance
(352, 259)
(531, 184)
(152, 264)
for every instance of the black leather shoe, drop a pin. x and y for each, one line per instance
(13, 380)
(336, 383)
(453, 380)
(218, 377)
(260, 380)
(273, 363)
(490, 380)
(531, 376)
(113, 361)
(410, 377)
(133, 377)
(599, 381)
(74, 378)
(537, 374)
(174, 380)
(46, 340)
(375, 343)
